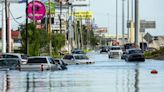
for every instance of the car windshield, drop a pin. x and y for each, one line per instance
(24, 56)
(135, 51)
(115, 48)
(37, 60)
(78, 52)
(81, 57)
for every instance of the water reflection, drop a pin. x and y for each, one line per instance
(103, 76)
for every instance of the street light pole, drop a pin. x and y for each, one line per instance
(128, 19)
(123, 22)
(136, 21)
(116, 20)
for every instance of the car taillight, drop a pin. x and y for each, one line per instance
(41, 67)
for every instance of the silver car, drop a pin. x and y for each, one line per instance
(115, 52)
(77, 59)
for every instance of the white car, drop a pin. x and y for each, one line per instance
(40, 63)
(22, 57)
(77, 59)
(115, 52)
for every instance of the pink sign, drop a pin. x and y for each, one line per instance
(36, 10)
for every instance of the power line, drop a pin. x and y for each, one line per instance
(14, 17)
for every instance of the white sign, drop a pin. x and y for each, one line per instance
(56, 25)
(80, 2)
(13, 1)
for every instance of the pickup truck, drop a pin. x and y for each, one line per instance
(40, 63)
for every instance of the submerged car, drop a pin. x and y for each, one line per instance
(61, 63)
(78, 52)
(10, 64)
(134, 54)
(77, 59)
(115, 52)
(40, 63)
(123, 55)
(21, 57)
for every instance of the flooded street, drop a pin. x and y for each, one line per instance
(106, 75)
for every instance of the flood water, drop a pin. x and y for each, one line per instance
(106, 75)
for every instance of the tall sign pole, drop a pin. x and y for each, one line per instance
(26, 27)
(136, 21)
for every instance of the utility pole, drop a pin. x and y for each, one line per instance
(123, 22)
(33, 10)
(128, 19)
(132, 31)
(60, 16)
(6, 17)
(9, 31)
(136, 21)
(3, 30)
(49, 28)
(116, 20)
(27, 27)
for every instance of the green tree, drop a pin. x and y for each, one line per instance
(58, 41)
(38, 40)
(89, 37)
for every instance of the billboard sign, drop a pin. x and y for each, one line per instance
(144, 24)
(79, 2)
(83, 14)
(56, 25)
(148, 24)
(39, 10)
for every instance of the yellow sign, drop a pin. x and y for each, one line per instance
(83, 14)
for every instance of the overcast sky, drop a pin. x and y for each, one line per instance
(104, 14)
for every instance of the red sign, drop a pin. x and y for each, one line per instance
(36, 10)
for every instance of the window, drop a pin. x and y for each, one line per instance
(135, 51)
(51, 60)
(69, 57)
(24, 56)
(2, 63)
(37, 60)
(81, 57)
(115, 48)
(11, 56)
